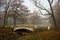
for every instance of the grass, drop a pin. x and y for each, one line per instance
(7, 34)
(45, 35)
(48, 35)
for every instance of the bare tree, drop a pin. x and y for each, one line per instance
(50, 3)
(20, 11)
(41, 7)
(5, 15)
(56, 9)
(35, 17)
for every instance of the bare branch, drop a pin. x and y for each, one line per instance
(37, 4)
(50, 1)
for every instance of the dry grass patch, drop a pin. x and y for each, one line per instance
(49, 35)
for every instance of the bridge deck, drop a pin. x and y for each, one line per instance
(27, 25)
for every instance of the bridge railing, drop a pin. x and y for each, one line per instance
(30, 26)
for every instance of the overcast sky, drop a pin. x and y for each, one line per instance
(31, 6)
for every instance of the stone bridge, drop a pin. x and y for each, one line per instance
(24, 26)
(29, 27)
(25, 29)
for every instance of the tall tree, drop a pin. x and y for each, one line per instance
(56, 9)
(5, 15)
(20, 10)
(14, 9)
(41, 7)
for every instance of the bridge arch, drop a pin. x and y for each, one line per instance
(31, 29)
(23, 30)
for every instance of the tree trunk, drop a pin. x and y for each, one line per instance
(52, 14)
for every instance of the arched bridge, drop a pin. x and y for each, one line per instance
(25, 29)
(25, 26)
(30, 27)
